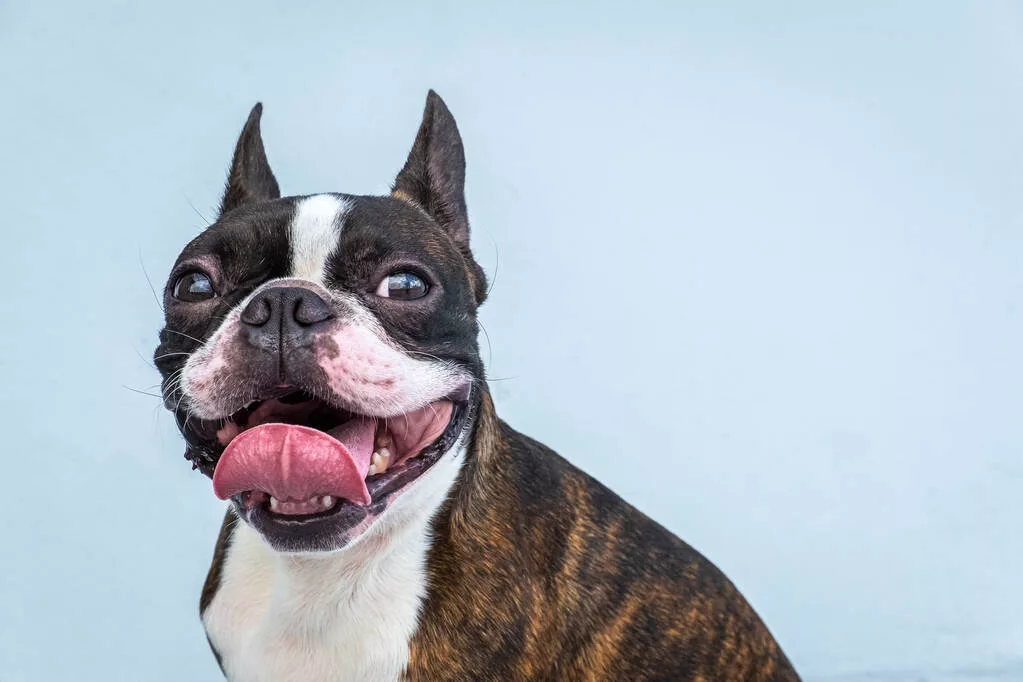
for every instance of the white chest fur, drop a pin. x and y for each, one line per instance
(341, 617)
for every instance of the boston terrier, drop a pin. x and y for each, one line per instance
(320, 357)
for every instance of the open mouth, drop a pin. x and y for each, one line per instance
(308, 474)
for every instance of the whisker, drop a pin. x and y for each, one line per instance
(178, 406)
(173, 384)
(197, 211)
(169, 355)
(176, 374)
(149, 363)
(490, 348)
(497, 266)
(136, 390)
(175, 331)
(156, 297)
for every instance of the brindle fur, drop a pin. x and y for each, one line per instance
(539, 572)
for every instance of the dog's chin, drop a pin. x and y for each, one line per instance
(325, 522)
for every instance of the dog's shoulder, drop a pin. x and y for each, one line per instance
(541, 572)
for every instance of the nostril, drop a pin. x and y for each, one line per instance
(257, 312)
(310, 309)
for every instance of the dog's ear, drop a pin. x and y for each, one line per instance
(250, 179)
(434, 179)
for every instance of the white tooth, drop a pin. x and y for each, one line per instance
(380, 460)
(373, 469)
(327, 501)
(274, 504)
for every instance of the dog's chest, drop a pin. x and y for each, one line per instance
(281, 618)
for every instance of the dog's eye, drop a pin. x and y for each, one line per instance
(403, 286)
(193, 286)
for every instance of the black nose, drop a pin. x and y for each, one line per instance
(281, 316)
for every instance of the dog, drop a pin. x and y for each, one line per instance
(320, 357)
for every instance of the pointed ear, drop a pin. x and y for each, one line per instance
(250, 179)
(434, 174)
(434, 179)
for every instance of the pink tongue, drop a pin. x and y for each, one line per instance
(292, 462)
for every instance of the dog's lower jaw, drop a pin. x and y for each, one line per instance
(345, 615)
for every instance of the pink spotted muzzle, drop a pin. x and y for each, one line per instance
(338, 420)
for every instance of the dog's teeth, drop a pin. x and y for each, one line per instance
(327, 501)
(372, 469)
(274, 504)
(380, 460)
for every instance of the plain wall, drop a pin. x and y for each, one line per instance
(756, 268)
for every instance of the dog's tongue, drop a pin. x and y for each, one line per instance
(292, 462)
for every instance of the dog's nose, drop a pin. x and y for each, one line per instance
(280, 316)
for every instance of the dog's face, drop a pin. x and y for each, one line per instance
(320, 353)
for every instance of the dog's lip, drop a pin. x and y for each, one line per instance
(203, 448)
(301, 450)
(312, 531)
(289, 404)
(460, 394)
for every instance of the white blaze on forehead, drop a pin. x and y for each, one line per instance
(315, 232)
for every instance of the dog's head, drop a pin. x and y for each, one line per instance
(320, 352)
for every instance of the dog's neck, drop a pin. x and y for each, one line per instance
(313, 591)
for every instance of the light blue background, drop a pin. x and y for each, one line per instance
(757, 268)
